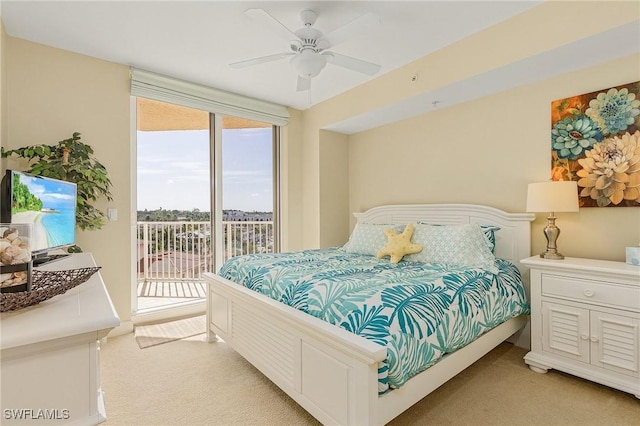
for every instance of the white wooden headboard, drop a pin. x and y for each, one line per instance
(513, 240)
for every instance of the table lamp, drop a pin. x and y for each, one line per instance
(552, 196)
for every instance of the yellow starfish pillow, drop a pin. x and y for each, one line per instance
(399, 245)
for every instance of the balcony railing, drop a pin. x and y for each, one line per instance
(179, 252)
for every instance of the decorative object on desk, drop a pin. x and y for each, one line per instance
(45, 285)
(633, 255)
(15, 257)
(595, 141)
(73, 161)
(552, 197)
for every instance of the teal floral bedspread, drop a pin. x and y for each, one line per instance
(418, 311)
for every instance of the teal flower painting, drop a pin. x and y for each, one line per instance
(614, 111)
(573, 135)
(595, 140)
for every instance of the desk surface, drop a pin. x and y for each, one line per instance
(85, 308)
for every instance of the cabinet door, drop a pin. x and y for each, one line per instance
(616, 343)
(565, 331)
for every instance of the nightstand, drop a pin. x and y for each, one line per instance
(585, 320)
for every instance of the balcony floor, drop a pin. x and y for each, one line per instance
(153, 294)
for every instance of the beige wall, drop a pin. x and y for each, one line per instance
(484, 151)
(53, 93)
(334, 188)
(291, 182)
(3, 90)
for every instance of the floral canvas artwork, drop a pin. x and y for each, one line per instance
(595, 140)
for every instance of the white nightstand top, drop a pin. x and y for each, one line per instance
(580, 264)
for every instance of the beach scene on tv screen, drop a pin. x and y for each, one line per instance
(49, 205)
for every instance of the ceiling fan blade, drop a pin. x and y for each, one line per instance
(260, 60)
(303, 84)
(354, 64)
(352, 29)
(269, 21)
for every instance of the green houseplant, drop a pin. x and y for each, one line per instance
(73, 161)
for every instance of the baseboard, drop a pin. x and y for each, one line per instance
(124, 328)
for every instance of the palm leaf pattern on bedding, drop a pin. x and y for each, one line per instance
(418, 311)
(416, 356)
(471, 288)
(457, 330)
(510, 281)
(357, 296)
(254, 279)
(370, 322)
(296, 295)
(325, 300)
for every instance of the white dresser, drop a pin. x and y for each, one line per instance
(585, 320)
(49, 354)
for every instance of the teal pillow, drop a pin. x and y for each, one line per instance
(453, 245)
(489, 232)
(368, 238)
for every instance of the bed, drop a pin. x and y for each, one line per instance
(333, 373)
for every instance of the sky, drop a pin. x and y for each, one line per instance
(173, 170)
(53, 193)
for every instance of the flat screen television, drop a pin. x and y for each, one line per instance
(48, 204)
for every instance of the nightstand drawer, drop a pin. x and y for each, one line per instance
(590, 291)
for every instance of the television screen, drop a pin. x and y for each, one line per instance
(48, 204)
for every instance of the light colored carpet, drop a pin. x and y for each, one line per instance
(192, 382)
(156, 334)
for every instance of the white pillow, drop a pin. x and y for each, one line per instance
(453, 245)
(368, 238)
(489, 232)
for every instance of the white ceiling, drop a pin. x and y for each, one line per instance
(197, 40)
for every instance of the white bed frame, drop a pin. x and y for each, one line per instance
(331, 373)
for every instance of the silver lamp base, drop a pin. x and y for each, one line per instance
(551, 255)
(551, 231)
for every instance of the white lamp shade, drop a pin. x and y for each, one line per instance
(553, 196)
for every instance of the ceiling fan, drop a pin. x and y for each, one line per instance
(308, 46)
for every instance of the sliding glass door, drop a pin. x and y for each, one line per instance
(173, 204)
(248, 196)
(190, 164)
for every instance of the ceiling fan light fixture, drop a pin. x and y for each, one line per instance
(308, 49)
(308, 63)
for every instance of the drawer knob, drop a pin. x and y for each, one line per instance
(584, 337)
(588, 292)
(594, 339)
